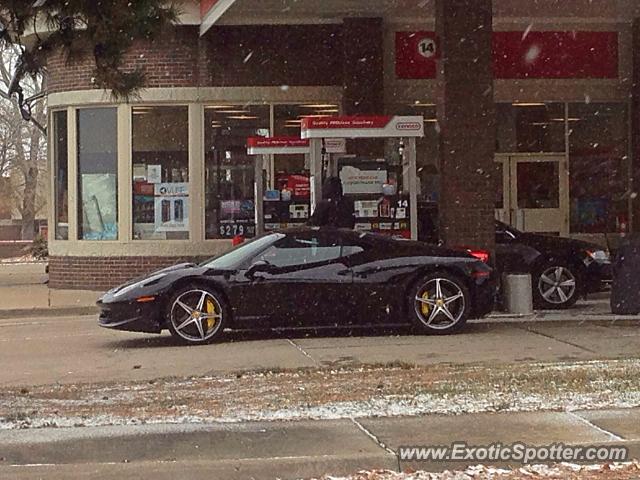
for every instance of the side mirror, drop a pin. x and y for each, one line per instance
(259, 266)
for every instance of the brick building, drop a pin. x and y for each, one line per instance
(530, 109)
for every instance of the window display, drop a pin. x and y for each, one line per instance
(160, 173)
(229, 170)
(379, 204)
(98, 174)
(599, 167)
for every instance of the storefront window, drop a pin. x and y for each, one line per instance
(160, 173)
(98, 174)
(229, 171)
(61, 172)
(530, 127)
(599, 167)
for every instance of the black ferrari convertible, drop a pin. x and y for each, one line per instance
(307, 277)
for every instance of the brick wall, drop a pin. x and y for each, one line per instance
(100, 273)
(227, 56)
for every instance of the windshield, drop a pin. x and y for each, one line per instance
(238, 255)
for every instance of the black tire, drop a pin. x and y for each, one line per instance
(556, 286)
(439, 291)
(197, 315)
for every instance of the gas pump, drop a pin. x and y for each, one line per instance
(286, 201)
(380, 205)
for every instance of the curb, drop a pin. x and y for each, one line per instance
(49, 312)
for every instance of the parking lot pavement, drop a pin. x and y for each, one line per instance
(39, 351)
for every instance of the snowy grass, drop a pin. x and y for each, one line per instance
(371, 391)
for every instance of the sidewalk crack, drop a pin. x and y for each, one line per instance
(375, 438)
(302, 350)
(551, 337)
(612, 436)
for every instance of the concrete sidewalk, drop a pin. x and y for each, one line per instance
(291, 450)
(24, 292)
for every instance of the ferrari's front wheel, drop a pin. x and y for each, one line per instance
(196, 315)
(439, 304)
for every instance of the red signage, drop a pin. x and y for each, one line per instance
(276, 142)
(206, 6)
(555, 55)
(416, 54)
(352, 122)
(299, 185)
(521, 55)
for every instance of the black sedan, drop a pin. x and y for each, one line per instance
(307, 277)
(562, 269)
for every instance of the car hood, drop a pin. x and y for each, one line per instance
(173, 268)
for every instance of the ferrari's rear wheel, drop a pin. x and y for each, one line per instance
(196, 315)
(440, 304)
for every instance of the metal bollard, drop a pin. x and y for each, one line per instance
(517, 294)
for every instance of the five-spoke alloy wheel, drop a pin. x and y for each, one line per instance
(196, 315)
(440, 303)
(556, 287)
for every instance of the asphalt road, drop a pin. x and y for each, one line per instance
(36, 351)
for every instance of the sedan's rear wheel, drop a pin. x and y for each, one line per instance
(556, 286)
(196, 315)
(440, 304)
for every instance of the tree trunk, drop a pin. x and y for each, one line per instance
(29, 204)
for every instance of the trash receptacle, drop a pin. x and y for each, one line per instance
(625, 288)
(518, 298)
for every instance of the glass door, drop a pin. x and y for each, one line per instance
(535, 193)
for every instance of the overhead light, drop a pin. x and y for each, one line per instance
(540, 124)
(528, 104)
(430, 120)
(418, 103)
(329, 111)
(233, 111)
(320, 105)
(243, 117)
(570, 119)
(218, 107)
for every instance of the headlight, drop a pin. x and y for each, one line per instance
(141, 283)
(599, 256)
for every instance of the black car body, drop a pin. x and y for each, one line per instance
(307, 277)
(556, 265)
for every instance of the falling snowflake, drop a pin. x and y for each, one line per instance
(532, 54)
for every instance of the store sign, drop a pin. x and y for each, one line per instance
(356, 181)
(518, 55)
(171, 207)
(298, 185)
(277, 145)
(555, 55)
(416, 55)
(362, 126)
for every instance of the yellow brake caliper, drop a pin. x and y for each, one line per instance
(211, 310)
(424, 306)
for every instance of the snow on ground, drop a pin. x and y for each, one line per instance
(619, 471)
(321, 394)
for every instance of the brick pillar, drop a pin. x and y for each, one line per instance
(363, 75)
(635, 125)
(466, 115)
